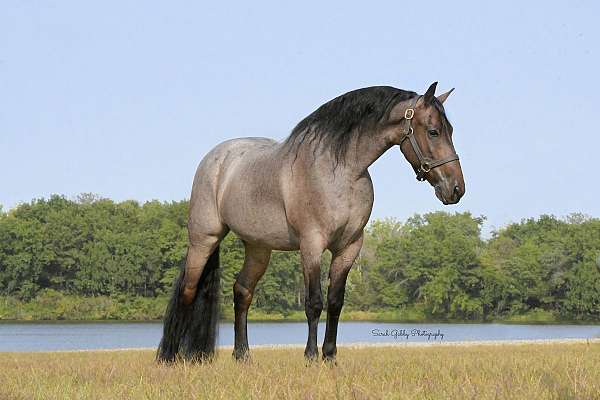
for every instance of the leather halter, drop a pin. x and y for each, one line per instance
(425, 164)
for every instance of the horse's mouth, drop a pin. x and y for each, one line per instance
(442, 198)
(438, 194)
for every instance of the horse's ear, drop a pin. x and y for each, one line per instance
(442, 97)
(430, 93)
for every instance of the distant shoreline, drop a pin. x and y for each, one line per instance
(75, 309)
(364, 345)
(291, 320)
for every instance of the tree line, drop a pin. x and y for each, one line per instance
(436, 265)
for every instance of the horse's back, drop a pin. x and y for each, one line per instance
(238, 183)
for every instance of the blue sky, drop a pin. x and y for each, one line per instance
(124, 98)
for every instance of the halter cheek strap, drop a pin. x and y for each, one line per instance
(426, 164)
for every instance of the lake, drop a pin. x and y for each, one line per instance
(116, 335)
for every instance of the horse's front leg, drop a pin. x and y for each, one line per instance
(255, 264)
(311, 250)
(340, 266)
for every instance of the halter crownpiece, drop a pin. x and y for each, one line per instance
(425, 164)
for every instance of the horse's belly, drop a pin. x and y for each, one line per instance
(253, 209)
(264, 226)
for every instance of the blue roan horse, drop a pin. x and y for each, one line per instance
(311, 192)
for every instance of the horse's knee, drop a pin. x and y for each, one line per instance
(314, 306)
(334, 307)
(242, 297)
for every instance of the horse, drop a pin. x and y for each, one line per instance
(311, 192)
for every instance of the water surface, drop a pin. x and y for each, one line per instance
(106, 335)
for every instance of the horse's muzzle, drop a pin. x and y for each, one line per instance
(449, 194)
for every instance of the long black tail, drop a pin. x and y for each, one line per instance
(190, 331)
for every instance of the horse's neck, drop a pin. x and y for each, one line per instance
(366, 149)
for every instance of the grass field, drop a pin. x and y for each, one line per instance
(532, 371)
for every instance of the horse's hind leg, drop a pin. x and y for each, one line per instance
(255, 264)
(200, 247)
(340, 266)
(191, 318)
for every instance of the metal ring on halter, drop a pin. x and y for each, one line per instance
(406, 135)
(409, 113)
(425, 167)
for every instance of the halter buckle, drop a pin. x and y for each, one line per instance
(425, 167)
(409, 113)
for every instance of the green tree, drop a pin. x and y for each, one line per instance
(436, 263)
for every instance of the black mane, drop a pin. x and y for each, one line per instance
(333, 125)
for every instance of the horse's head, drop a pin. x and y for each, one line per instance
(424, 134)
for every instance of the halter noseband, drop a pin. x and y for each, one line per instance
(425, 164)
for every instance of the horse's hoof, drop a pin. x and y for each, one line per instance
(330, 360)
(311, 355)
(241, 356)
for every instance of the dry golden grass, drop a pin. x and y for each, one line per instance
(535, 371)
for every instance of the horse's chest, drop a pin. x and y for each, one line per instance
(335, 208)
(349, 212)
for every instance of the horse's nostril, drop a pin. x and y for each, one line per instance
(456, 191)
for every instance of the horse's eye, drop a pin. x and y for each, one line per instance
(433, 133)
